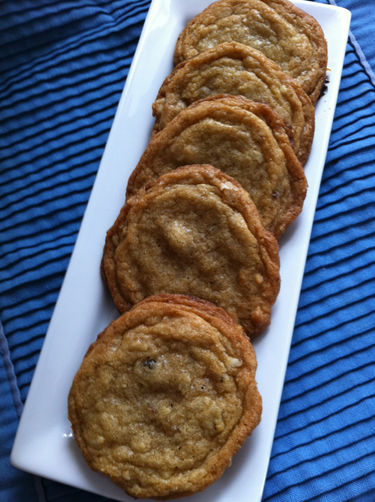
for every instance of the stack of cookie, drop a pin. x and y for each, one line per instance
(167, 393)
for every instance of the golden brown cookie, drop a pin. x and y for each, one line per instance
(246, 140)
(165, 397)
(233, 68)
(194, 231)
(283, 32)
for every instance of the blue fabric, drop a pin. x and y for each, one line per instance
(15, 485)
(62, 67)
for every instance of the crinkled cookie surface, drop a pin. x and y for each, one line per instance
(283, 32)
(165, 397)
(233, 68)
(242, 138)
(194, 231)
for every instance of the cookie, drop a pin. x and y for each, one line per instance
(194, 231)
(283, 32)
(246, 140)
(165, 397)
(233, 68)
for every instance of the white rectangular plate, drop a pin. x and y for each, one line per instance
(44, 443)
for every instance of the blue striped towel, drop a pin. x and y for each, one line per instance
(62, 67)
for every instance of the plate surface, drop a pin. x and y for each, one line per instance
(44, 443)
